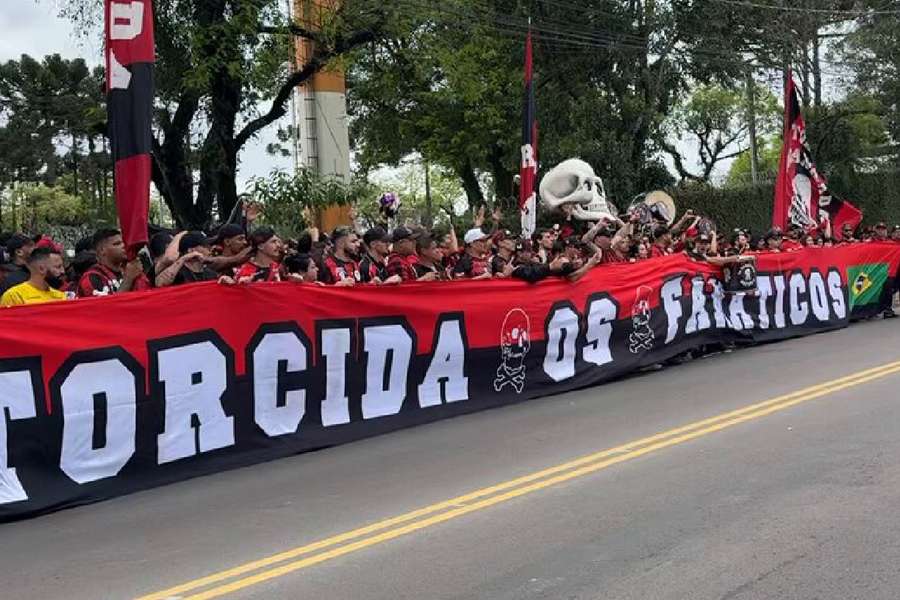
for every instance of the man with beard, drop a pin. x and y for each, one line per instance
(264, 263)
(341, 264)
(113, 273)
(18, 249)
(473, 264)
(45, 266)
(506, 250)
(400, 264)
(373, 266)
(430, 263)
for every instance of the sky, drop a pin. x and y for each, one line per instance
(33, 27)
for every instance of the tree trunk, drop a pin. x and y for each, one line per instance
(470, 185)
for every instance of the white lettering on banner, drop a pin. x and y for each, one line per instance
(126, 20)
(778, 310)
(799, 306)
(335, 348)
(120, 77)
(380, 341)
(699, 319)
(836, 291)
(447, 368)
(739, 317)
(195, 377)
(818, 297)
(601, 314)
(671, 298)
(718, 295)
(275, 349)
(562, 333)
(111, 383)
(16, 399)
(763, 292)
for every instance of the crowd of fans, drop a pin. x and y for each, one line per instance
(33, 270)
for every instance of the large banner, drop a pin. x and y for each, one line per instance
(105, 396)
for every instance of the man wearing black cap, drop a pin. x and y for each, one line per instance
(373, 266)
(773, 239)
(340, 264)
(190, 266)
(401, 262)
(18, 249)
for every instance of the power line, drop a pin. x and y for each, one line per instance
(798, 9)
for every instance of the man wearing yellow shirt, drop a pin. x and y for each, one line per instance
(46, 268)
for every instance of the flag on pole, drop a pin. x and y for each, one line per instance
(529, 166)
(801, 193)
(130, 56)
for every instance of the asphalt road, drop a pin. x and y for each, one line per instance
(800, 503)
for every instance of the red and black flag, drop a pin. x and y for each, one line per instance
(801, 193)
(130, 56)
(529, 167)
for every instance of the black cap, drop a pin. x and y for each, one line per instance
(191, 240)
(16, 242)
(400, 234)
(376, 234)
(228, 231)
(773, 233)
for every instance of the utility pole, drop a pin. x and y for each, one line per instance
(751, 126)
(429, 207)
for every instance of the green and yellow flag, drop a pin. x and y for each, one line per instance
(866, 283)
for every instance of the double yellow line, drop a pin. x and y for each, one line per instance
(276, 565)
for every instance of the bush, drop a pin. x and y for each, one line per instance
(877, 195)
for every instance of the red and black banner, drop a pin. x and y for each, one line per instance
(529, 166)
(801, 192)
(130, 56)
(220, 376)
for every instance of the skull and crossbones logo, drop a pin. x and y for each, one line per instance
(642, 337)
(515, 342)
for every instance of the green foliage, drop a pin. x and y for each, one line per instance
(288, 199)
(33, 207)
(716, 119)
(877, 195)
(769, 153)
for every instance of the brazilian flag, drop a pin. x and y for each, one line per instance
(866, 283)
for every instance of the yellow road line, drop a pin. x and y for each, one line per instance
(514, 488)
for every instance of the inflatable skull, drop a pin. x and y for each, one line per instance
(574, 183)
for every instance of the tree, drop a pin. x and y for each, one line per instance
(218, 61)
(607, 74)
(715, 118)
(288, 199)
(51, 112)
(769, 154)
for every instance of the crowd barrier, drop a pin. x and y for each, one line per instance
(106, 396)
